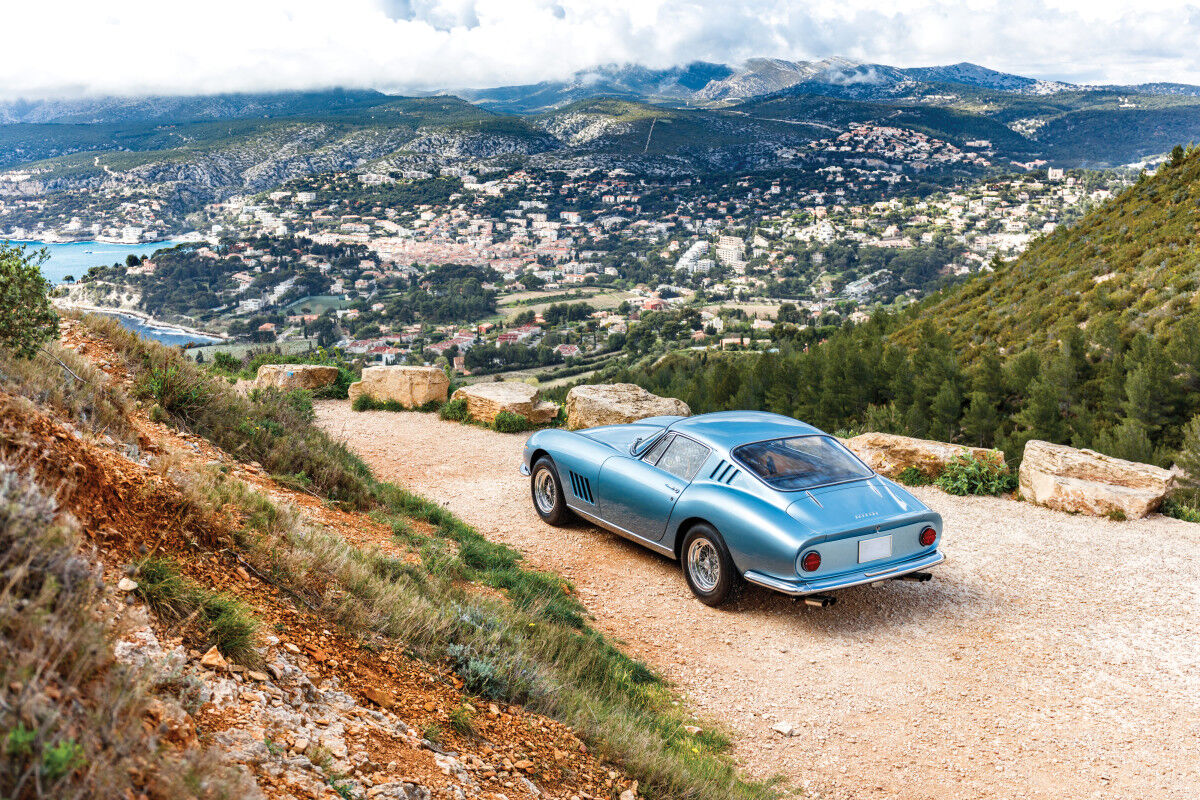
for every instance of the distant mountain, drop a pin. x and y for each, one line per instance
(974, 75)
(101, 110)
(629, 82)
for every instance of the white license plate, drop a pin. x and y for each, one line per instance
(874, 549)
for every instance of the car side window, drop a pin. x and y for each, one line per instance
(656, 450)
(683, 457)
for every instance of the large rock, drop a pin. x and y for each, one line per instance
(617, 404)
(486, 400)
(411, 387)
(1087, 482)
(889, 454)
(294, 376)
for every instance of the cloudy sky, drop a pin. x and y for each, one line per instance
(78, 47)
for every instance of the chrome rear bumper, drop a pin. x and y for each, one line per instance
(801, 588)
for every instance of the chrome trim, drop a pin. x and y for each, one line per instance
(617, 529)
(829, 584)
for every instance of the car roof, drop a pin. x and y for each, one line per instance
(729, 429)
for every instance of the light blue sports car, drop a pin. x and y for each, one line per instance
(737, 496)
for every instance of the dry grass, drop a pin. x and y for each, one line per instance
(58, 379)
(71, 718)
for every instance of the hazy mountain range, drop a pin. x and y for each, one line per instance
(699, 84)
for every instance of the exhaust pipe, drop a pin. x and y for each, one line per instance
(919, 577)
(819, 600)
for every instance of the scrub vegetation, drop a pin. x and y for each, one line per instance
(531, 644)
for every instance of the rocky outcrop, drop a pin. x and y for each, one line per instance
(294, 376)
(1087, 482)
(890, 454)
(411, 387)
(617, 404)
(486, 400)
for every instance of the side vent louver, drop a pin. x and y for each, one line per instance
(581, 488)
(724, 472)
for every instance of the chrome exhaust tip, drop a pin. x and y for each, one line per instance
(819, 600)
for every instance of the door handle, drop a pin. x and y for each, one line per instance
(673, 488)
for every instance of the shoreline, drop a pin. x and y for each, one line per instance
(96, 240)
(142, 316)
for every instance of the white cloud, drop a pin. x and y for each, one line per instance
(72, 47)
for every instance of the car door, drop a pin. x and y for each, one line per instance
(637, 494)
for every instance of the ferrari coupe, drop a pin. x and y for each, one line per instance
(737, 496)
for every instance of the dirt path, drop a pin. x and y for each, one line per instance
(1052, 656)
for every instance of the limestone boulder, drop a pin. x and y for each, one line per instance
(1087, 482)
(411, 387)
(617, 404)
(890, 454)
(486, 400)
(294, 376)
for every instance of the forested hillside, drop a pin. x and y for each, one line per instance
(1092, 338)
(1134, 262)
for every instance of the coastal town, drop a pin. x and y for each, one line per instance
(527, 268)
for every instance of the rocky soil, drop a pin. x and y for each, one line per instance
(320, 714)
(1052, 655)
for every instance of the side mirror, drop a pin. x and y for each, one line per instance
(633, 448)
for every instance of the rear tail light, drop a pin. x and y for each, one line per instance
(811, 561)
(928, 537)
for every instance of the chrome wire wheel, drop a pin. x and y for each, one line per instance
(704, 564)
(545, 492)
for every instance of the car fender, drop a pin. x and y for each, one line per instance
(571, 452)
(760, 534)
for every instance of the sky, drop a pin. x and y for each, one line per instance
(66, 48)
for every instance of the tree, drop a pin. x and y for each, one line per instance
(26, 317)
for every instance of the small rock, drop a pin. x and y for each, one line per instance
(692, 729)
(127, 585)
(258, 676)
(213, 659)
(784, 728)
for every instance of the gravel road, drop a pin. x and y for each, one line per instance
(1052, 656)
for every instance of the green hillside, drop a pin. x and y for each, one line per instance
(1134, 262)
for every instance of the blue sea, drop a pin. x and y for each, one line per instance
(160, 332)
(76, 258)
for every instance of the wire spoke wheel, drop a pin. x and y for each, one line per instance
(704, 564)
(545, 492)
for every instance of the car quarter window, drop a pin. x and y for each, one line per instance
(656, 449)
(683, 457)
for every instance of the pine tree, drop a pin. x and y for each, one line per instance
(981, 420)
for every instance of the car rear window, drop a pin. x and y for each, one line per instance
(801, 462)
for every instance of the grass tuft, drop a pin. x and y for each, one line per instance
(211, 618)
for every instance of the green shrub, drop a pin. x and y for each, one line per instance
(911, 476)
(509, 422)
(365, 402)
(455, 410)
(966, 474)
(1183, 503)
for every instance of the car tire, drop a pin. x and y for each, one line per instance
(708, 568)
(548, 499)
